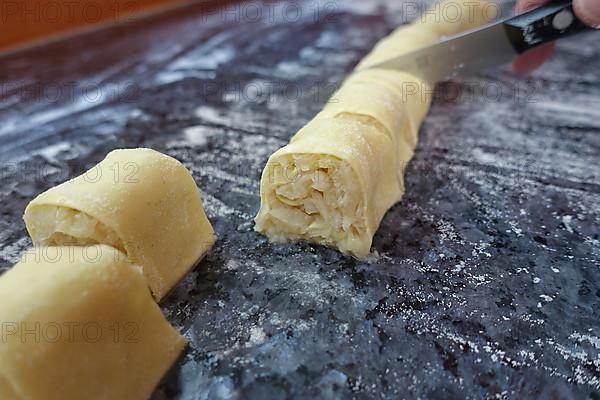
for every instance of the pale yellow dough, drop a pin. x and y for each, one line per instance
(139, 201)
(339, 174)
(80, 323)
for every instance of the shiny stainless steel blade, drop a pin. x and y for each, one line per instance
(463, 54)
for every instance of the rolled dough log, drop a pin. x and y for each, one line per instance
(139, 201)
(80, 323)
(339, 174)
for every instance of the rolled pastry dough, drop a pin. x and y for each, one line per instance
(340, 173)
(139, 201)
(80, 323)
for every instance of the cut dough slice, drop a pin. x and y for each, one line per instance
(80, 323)
(339, 174)
(139, 201)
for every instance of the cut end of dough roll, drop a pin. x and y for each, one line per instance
(304, 202)
(80, 323)
(56, 225)
(139, 201)
(327, 189)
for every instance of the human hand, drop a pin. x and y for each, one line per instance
(586, 10)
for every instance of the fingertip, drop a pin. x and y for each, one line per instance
(588, 11)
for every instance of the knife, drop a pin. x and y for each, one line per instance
(491, 45)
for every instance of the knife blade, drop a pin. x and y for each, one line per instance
(489, 46)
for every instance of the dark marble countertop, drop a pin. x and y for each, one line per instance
(484, 281)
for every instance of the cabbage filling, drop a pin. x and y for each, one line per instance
(60, 226)
(316, 198)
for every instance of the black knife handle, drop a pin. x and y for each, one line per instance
(543, 24)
